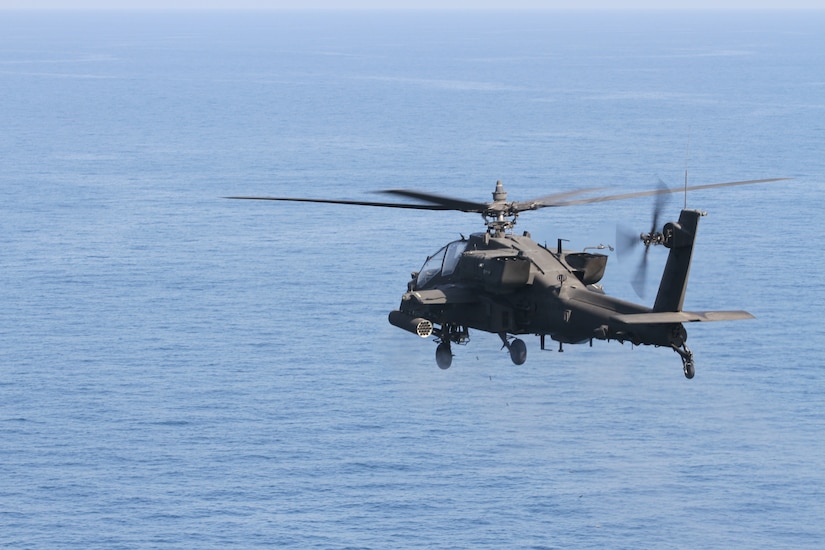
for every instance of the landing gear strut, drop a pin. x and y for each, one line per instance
(517, 349)
(687, 360)
(445, 336)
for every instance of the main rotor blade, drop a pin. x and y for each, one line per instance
(442, 203)
(358, 203)
(552, 200)
(439, 202)
(482, 207)
(663, 191)
(448, 203)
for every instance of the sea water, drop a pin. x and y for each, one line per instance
(181, 370)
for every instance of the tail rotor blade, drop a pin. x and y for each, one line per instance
(626, 242)
(639, 281)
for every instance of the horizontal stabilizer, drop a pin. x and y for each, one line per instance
(667, 317)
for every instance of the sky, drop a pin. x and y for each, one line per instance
(409, 4)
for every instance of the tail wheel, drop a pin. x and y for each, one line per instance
(687, 360)
(689, 369)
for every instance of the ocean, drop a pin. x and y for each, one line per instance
(178, 370)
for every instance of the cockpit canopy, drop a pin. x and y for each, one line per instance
(442, 263)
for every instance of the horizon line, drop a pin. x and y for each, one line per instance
(309, 9)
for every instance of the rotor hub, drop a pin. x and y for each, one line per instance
(497, 221)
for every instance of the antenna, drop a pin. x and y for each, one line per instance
(687, 159)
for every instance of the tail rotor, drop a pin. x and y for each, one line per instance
(627, 240)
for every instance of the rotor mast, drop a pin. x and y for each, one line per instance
(496, 214)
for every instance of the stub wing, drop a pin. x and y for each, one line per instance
(445, 295)
(667, 317)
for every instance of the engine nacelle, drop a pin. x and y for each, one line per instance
(589, 268)
(499, 271)
(416, 325)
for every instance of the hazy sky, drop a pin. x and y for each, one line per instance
(415, 4)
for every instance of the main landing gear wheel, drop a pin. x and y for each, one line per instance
(517, 349)
(444, 355)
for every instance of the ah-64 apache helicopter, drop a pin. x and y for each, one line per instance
(507, 284)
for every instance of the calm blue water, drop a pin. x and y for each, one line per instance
(179, 370)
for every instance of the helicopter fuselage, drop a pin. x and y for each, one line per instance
(509, 284)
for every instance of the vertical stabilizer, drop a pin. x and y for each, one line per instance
(679, 238)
